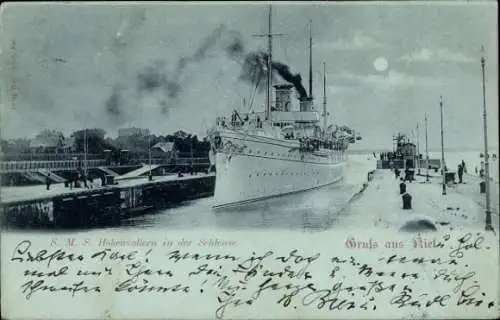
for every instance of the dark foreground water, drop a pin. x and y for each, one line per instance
(313, 210)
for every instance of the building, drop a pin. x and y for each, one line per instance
(128, 132)
(163, 150)
(49, 141)
(408, 149)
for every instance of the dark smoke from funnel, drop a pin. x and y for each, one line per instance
(254, 70)
(113, 105)
(235, 48)
(153, 78)
(254, 66)
(201, 52)
(296, 80)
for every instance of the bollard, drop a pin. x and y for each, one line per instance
(482, 187)
(402, 188)
(406, 201)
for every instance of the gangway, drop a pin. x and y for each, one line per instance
(51, 175)
(137, 172)
(108, 171)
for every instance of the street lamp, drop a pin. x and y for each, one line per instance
(426, 151)
(442, 146)
(85, 150)
(149, 155)
(489, 226)
(418, 151)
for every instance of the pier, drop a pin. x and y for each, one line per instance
(381, 205)
(60, 206)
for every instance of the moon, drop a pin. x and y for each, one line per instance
(380, 64)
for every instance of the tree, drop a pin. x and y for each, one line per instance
(95, 140)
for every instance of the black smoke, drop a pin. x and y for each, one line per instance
(113, 105)
(153, 78)
(156, 78)
(254, 70)
(254, 65)
(235, 47)
(296, 80)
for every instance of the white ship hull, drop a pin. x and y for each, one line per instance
(252, 167)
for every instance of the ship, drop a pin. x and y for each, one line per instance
(281, 150)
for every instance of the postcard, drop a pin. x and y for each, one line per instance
(240, 160)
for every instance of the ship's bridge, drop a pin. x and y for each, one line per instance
(295, 116)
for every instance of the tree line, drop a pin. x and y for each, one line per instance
(136, 144)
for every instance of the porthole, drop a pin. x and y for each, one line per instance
(257, 174)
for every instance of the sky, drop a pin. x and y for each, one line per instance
(165, 66)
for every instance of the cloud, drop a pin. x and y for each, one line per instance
(438, 55)
(391, 80)
(359, 41)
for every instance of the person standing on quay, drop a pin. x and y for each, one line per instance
(460, 172)
(47, 181)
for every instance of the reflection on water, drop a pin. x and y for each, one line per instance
(311, 210)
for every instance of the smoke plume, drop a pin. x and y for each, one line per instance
(296, 80)
(254, 65)
(254, 70)
(113, 105)
(155, 78)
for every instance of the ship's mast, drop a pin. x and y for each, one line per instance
(269, 36)
(269, 65)
(324, 97)
(310, 60)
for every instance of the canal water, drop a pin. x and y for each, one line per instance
(309, 211)
(314, 210)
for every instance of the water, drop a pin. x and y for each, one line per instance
(311, 211)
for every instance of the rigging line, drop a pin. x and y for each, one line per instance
(251, 94)
(255, 92)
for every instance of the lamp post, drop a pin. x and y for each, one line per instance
(426, 151)
(85, 147)
(442, 146)
(418, 151)
(488, 226)
(149, 156)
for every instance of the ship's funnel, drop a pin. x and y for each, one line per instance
(306, 104)
(283, 99)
